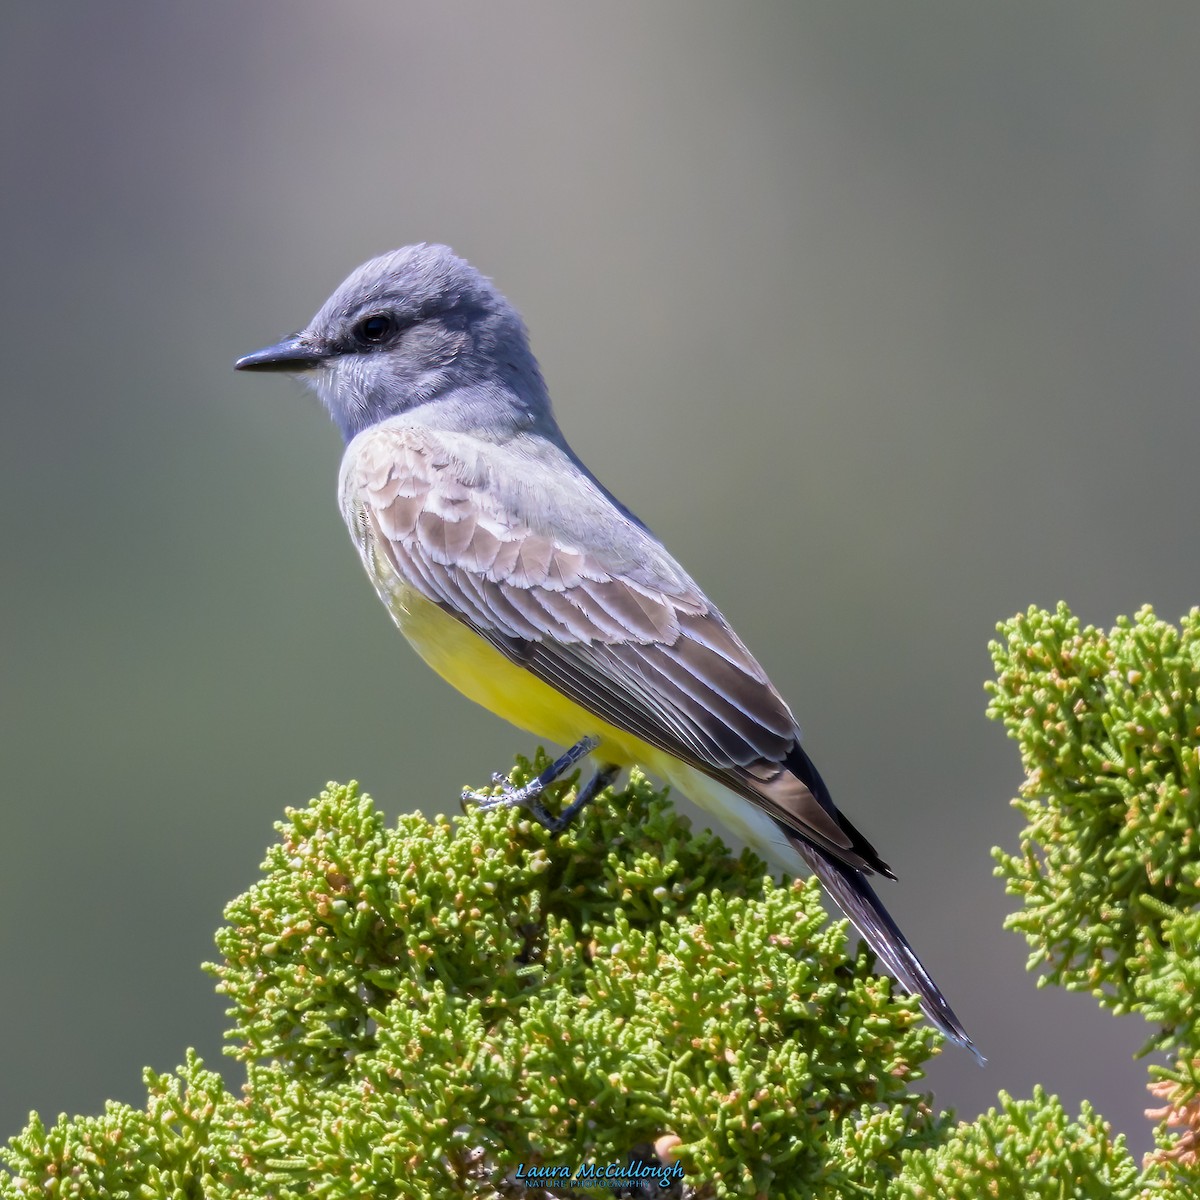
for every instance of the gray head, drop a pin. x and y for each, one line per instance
(418, 327)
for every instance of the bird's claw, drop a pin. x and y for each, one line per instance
(510, 796)
(528, 796)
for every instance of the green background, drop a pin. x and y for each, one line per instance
(884, 317)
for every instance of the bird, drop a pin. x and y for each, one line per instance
(526, 584)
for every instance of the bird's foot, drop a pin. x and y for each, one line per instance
(528, 796)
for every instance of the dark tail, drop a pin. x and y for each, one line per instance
(856, 898)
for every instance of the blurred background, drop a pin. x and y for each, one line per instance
(911, 290)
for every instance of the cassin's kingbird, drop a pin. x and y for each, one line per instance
(534, 591)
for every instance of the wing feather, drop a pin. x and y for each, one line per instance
(478, 557)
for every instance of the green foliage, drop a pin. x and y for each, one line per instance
(1108, 726)
(485, 993)
(126, 1154)
(1026, 1150)
(422, 1009)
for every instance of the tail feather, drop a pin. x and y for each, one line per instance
(857, 899)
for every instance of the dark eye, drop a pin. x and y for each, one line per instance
(375, 329)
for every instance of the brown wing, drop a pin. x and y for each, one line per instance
(627, 636)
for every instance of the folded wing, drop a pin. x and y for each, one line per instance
(642, 649)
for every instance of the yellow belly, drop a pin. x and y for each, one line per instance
(479, 671)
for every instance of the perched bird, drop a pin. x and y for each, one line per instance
(527, 585)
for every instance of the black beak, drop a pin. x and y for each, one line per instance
(291, 354)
